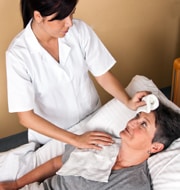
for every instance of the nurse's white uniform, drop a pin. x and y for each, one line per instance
(62, 93)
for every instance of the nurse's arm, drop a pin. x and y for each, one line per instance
(112, 85)
(87, 140)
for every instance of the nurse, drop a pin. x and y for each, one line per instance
(47, 74)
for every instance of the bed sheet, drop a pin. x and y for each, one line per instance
(28, 156)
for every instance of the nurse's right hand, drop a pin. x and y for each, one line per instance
(93, 140)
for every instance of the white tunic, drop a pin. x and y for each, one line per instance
(62, 93)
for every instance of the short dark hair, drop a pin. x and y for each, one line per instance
(167, 122)
(46, 7)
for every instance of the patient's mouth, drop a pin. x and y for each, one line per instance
(127, 130)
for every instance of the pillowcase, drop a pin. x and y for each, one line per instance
(164, 168)
(141, 83)
(111, 118)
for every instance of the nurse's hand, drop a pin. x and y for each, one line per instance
(136, 100)
(93, 140)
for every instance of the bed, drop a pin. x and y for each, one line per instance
(164, 167)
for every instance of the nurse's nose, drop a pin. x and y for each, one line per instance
(68, 21)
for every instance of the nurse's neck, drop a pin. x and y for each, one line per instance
(49, 43)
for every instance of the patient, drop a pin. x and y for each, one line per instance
(144, 135)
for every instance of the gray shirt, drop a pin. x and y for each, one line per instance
(131, 178)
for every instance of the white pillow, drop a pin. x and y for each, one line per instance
(139, 83)
(111, 118)
(165, 168)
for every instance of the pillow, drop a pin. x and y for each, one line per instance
(164, 168)
(111, 118)
(139, 83)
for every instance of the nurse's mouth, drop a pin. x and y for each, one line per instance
(63, 33)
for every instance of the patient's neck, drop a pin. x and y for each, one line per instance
(128, 157)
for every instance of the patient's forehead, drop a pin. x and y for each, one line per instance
(149, 117)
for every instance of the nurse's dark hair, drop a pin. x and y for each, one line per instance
(62, 8)
(167, 122)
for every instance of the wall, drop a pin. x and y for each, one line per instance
(143, 36)
(10, 25)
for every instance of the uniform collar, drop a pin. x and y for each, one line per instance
(64, 50)
(31, 40)
(35, 47)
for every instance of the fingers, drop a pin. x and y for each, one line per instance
(94, 140)
(141, 94)
(141, 103)
(102, 138)
(137, 101)
(99, 134)
(94, 146)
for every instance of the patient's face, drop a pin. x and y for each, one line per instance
(139, 131)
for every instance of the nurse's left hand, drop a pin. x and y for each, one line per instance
(136, 100)
(93, 140)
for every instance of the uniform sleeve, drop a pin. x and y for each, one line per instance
(97, 56)
(19, 85)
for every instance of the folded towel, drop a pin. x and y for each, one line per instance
(91, 164)
(152, 103)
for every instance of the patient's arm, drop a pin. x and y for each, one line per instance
(39, 174)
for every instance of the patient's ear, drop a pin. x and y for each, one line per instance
(157, 147)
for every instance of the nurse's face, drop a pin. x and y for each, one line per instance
(56, 28)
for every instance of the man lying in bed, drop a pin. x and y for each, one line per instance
(144, 135)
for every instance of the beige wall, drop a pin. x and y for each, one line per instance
(143, 36)
(10, 25)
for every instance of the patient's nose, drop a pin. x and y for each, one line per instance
(134, 123)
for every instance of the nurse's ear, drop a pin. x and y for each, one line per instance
(37, 17)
